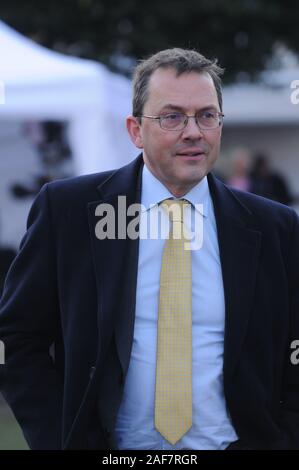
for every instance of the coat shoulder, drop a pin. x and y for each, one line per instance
(78, 186)
(266, 210)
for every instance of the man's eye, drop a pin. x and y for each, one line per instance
(173, 117)
(208, 115)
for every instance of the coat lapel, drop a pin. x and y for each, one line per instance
(115, 264)
(239, 245)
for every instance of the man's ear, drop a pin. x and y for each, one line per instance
(134, 129)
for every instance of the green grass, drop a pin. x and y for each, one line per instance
(11, 436)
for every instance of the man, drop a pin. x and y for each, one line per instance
(94, 302)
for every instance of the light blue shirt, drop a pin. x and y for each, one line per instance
(212, 427)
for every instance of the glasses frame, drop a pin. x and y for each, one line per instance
(187, 117)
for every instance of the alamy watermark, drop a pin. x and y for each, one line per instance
(2, 92)
(295, 354)
(295, 93)
(2, 353)
(125, 222)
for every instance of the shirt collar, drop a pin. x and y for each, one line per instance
(153, 192)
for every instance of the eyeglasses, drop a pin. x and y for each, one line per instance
(205, 120)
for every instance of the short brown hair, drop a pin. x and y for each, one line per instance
(181, 60)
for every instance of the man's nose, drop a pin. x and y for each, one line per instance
(192, 131)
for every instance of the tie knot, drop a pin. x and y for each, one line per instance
(175, 208)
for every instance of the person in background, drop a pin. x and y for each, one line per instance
(267, 182)
(7, 255)
(240, 174)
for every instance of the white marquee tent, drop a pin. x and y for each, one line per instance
(40, 84)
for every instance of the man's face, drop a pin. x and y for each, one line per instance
(179, 159)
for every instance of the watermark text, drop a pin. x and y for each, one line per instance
(295, 354)
(2, 353)
(135, 221)
(2, 92)
(295, 93)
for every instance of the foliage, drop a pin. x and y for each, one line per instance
(240, 33)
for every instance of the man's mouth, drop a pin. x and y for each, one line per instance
(191, 154)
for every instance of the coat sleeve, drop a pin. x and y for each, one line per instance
(29, 326)
(289, 417)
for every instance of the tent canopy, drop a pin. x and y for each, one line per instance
(40, 84)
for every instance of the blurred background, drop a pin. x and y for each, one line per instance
(65, 91)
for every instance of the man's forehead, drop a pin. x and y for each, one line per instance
(165, 84)
(164, 73)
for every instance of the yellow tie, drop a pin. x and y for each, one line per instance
(173, 399)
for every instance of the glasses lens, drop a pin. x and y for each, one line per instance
(174, 121)
(208, 119)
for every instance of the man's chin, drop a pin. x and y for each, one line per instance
(193, 177)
